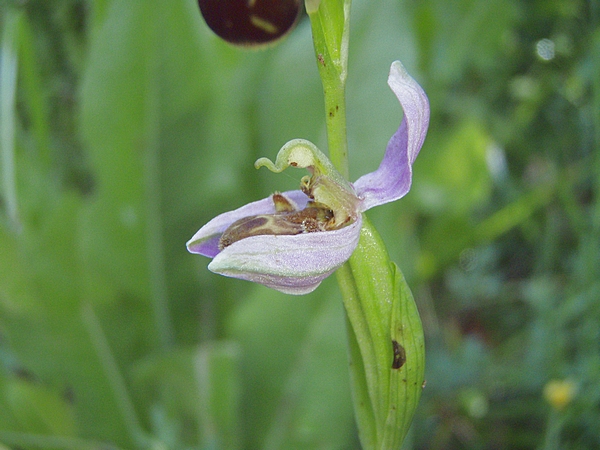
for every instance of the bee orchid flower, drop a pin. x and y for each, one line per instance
(291, 241)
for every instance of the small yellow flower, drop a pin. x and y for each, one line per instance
(559, 393)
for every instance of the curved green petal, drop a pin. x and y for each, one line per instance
(325, 185)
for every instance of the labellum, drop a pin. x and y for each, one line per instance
(286, 221)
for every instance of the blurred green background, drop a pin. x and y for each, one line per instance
(126, 125)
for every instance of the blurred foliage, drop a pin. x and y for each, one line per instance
(133, 125)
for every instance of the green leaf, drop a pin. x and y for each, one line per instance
(217, 369)
(165, 120)
(386, 343)
(40, 313)
(36, 409)
(408, 364)
(294, 370)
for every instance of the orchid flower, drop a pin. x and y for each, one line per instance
(291, 241)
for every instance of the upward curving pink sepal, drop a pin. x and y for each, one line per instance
(393, 178)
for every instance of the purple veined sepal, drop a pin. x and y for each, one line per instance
(392, 180)
(206, 240)
(297, 263)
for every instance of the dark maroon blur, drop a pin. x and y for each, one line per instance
(250, 22)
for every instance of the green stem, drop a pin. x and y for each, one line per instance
(330, 28)
(331, 51)
(335, 108)
(385, 337)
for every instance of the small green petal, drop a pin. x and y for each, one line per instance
(299, 153)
